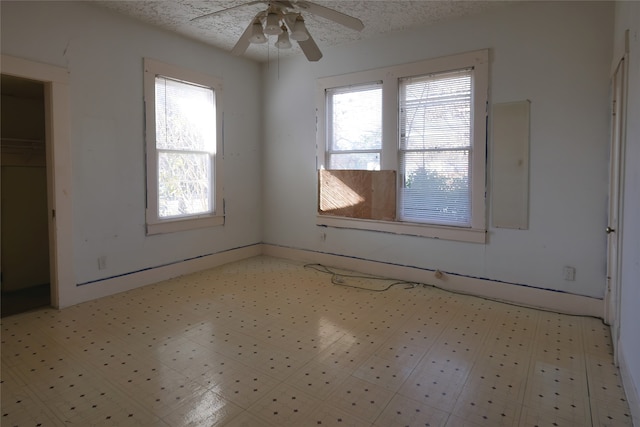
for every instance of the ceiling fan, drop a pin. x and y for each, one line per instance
(284, 19)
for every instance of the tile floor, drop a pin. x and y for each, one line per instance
(268, 342)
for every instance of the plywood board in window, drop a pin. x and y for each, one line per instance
(510, 165)
(358, 194)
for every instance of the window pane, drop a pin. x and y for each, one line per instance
(435, 111)
(185, 116)
(362, 161)
(184, 184)
(435, 187)
(355, 119)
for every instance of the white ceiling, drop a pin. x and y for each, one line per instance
(378, 16)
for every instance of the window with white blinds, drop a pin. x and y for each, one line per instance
(185, 143)
(427, 122)
(435, 148)
(183, 189)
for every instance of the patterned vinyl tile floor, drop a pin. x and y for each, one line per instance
(270, 342)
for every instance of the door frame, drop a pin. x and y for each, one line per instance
(58, 158)
(619, 84)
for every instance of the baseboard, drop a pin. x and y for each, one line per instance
(512, 293)
(126, 282)
(630, 388)
(518, 294)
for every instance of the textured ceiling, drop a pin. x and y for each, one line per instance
(378, 16)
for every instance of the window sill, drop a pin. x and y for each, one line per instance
(470, 235)
(183, 224)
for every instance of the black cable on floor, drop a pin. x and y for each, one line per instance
(411, 285)
(336, 279)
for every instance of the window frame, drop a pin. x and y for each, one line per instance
(155, 224)
(390, 77)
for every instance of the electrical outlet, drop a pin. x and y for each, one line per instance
(569, 273)
(323, 237)
(102, 262)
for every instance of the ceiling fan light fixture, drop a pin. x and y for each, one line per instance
(257, 35)
(272, 27)
(299, 31)
(283, 39)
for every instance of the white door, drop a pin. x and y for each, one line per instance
(616, 173)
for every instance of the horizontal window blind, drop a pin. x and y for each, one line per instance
(435, 148)
(185, 116)
(185, 144)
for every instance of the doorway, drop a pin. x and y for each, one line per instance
(58, 158)
(24, 229)
(616, 185)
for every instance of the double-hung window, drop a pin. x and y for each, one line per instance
(435, 148)
(183, 133)
(427, 123)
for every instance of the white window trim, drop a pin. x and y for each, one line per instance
(156, 225)
(389, 76)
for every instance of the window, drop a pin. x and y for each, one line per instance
(355, 133)
(183, 132)
(435, 148)
(427, 122)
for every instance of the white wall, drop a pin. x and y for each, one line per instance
(627, 16)
(104, 53)
(555, 54)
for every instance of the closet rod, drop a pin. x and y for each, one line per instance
(24, 140)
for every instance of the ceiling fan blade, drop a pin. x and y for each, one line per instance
(333, 15)
(309, 46)
(217, 12)
(310, 49)
(283, 3)
(243, 42)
